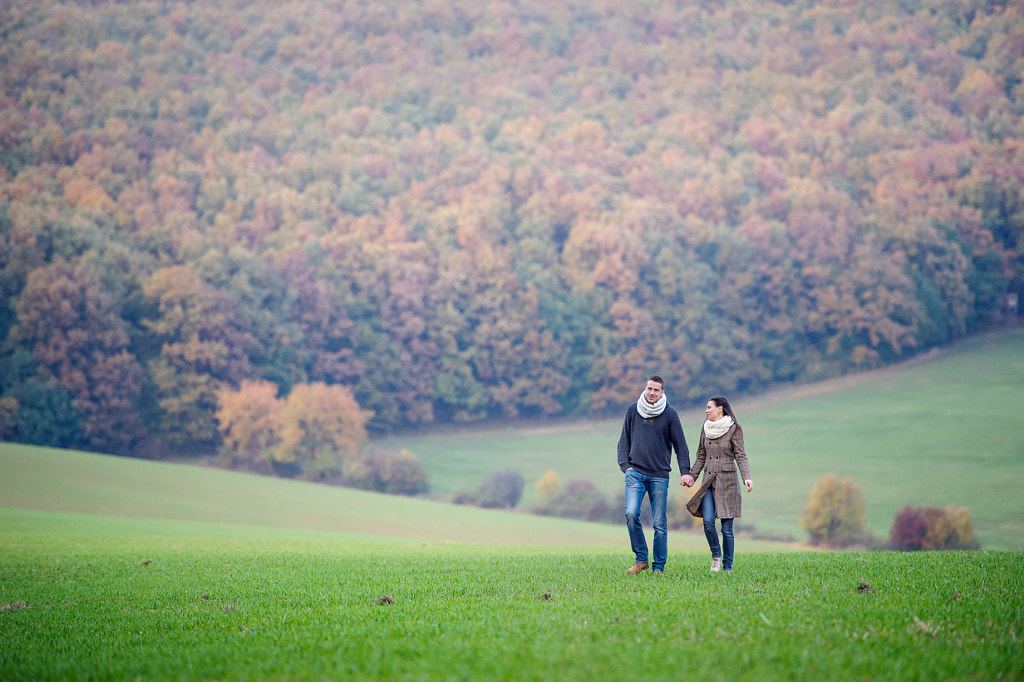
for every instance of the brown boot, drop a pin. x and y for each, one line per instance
(637, 568)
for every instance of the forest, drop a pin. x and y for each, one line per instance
(221, 222)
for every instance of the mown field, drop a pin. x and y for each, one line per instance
(93, 597)
(944, 430)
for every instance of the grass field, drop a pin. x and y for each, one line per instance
(945, 430)
(92, 597)
(114, 568)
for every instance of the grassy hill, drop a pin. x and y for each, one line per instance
(942, 430)
(48, 489)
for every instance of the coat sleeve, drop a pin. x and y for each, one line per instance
(624, 441)
(702, 454)
(740, 453)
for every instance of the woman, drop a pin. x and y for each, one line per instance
(719, 452)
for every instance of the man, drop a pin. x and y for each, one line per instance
(650, 432)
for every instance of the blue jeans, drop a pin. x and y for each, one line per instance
(637, 485)
(707, 508)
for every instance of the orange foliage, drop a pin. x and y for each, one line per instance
(249, 420)
(503, 208)
(320, 427)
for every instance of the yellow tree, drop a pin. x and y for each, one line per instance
(548, 485)
(321, 427)
(249, 420)
(835, 512)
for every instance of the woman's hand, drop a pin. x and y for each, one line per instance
(686, 480)
(750, 485)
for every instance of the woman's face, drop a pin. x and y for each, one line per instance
(714, 412)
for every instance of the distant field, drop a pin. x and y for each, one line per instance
(945, 430)
(117, 598)
(63, 481)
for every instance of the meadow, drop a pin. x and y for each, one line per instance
(942, 430)
(98, 597)
(117, 568)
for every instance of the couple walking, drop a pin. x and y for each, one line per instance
(649, 434)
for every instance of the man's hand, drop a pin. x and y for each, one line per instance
(686, 480)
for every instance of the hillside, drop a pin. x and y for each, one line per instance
(941, 431)
(904, 435)
(454, 211)
(43, 489)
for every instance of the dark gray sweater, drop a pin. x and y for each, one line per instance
(646, 444)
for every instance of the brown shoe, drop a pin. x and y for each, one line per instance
(637, 568)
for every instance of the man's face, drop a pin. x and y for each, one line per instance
(653, 392)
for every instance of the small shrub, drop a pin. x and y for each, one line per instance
(398, 473)
(358, 474)
(547, 486)
(501, 490)
(834, 515)
(908, 530)
(579, 500)
(584, 499)
(931, 528)
(464, 498)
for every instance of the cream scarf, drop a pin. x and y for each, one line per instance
(649, 411)
(717, 429)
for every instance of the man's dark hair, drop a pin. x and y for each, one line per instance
(726, 407)
(655, 377)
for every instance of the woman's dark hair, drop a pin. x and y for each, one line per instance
(726, 407)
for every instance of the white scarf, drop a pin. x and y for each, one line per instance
(717, 429)
(649, 411)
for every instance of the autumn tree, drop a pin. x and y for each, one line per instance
(202, 349)
(547, 486)
(932, 528)
(321, 427)
(834, 515)
(74, 330)
(250, 422)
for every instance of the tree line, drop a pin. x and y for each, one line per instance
(454, 211)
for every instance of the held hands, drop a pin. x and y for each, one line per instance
(688, 481)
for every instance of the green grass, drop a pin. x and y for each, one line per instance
(944, 430)
(111, 598)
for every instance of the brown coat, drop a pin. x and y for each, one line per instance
(718, 459)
